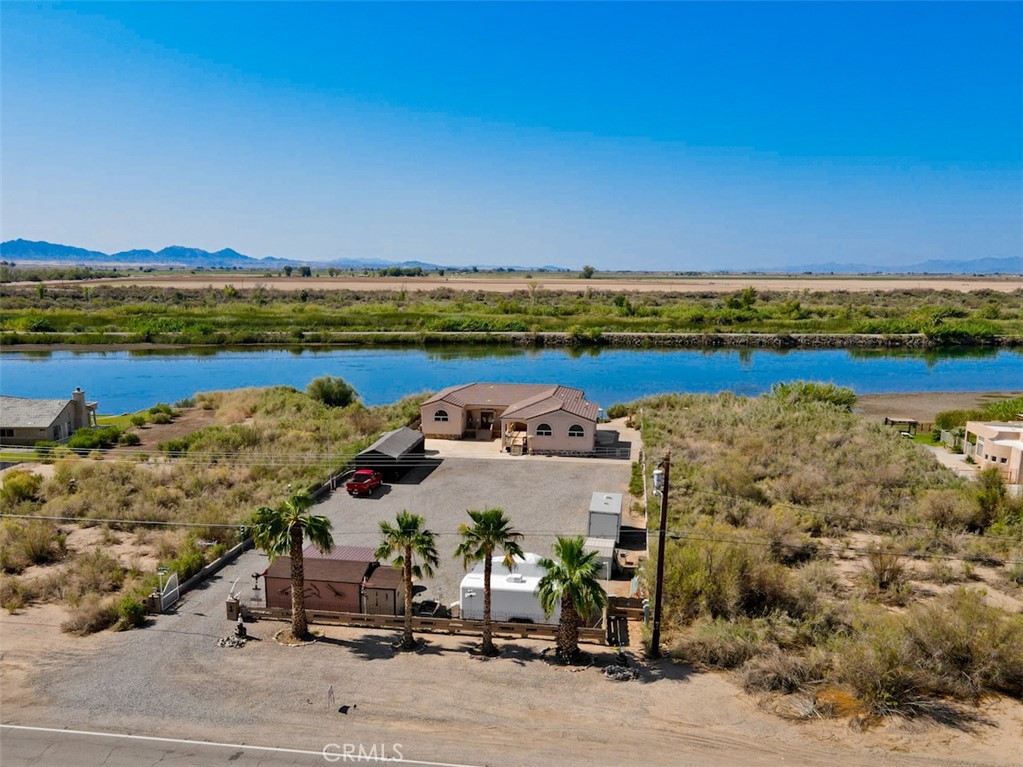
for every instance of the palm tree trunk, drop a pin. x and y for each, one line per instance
(568, 631)
(488, 638)
(408, 641)
(299, 626)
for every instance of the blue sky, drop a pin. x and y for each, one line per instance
(660, 136)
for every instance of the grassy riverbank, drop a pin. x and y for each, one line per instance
(110, 314)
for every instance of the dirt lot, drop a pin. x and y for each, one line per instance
(925, 406)
(715, 284)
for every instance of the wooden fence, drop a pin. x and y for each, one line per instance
(442, 625)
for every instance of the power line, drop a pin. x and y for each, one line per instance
(833, 549)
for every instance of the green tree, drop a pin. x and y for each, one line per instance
(288, 269)
(403, 545)
(587, 272)
(305, 271)
(282, 531)
(572, 579)
(491, 530)
(332, 391)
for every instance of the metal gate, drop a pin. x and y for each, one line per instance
(171, 593)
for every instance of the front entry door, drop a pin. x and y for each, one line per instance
(487, 420)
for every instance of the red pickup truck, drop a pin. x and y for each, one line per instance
(363, 482)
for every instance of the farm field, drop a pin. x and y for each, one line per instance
(510, 282)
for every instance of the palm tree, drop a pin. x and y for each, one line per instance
(280, 532)
(491, 530)
(403, 545)
(572, 578)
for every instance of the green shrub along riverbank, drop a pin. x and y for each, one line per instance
(830, 562)
(111, 314)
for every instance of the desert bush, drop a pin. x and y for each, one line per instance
(29, 543)
(19, 486)
(161, 418)
(131, 613)
(796, 392)
(15, 593)
(885, 571)
(636, 480)
(720, 579)
(948, 508)
(92, 438)
(92, 614)
(966, 647)
(129, 438)
(875, 661)
(92, 573)
(138, 420)
(777, 671)
(617, 410)
(332, 391)
(990, 496)
(720, 643)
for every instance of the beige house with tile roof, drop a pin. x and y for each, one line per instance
(25, 421)
(527, 418)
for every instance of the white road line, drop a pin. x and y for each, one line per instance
(236, 746)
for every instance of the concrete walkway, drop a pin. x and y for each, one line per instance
(953, 461)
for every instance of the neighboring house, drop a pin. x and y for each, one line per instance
(997, 444)
(512, 592)
(346, 579)
(394, 453)
(25, 421)
(528, 418)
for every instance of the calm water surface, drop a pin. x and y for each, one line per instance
(124, 381)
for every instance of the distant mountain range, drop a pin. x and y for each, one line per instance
(32, 252)
(29, 252)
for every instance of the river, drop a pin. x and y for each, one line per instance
(125, 381)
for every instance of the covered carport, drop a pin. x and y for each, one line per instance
(394, 453)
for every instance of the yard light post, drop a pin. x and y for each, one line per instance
(161, 571)
(655, 635)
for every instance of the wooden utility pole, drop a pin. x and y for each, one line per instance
(655, 636)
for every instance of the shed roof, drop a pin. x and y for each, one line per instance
(395, 444)
(606, 503)
(26, 413)
(344, 553)
(330, 570)
(605, 547)
(384, 577)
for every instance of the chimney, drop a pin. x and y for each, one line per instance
(81, 412)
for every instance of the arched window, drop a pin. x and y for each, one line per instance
(544, 430)
(440, 415)
(575, 430)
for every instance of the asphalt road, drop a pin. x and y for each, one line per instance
(45, 747)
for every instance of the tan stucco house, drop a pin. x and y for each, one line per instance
(25, 421)
(997, 444)
(541, 419)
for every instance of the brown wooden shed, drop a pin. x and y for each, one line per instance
(330, 584)
(345, 579)
(383, 592)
